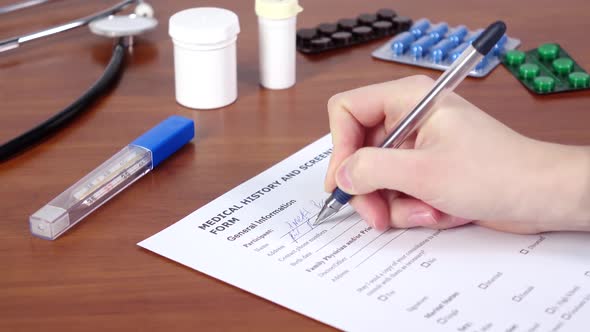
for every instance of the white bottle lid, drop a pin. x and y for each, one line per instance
(277, 9)
(204, 26)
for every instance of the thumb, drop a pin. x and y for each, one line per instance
(370, 169)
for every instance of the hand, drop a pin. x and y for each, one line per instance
(460, 166)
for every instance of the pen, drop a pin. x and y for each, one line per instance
(107, 180)
(446, 83)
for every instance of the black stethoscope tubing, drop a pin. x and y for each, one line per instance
(33, 136)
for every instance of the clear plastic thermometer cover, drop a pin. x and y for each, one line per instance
(93, 190)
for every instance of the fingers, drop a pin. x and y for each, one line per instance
(382, 210)
(352, 112)
(373, 209)
(513, 227)
(407, 212)
(370, 169)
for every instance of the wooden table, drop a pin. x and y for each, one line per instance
(95, 277)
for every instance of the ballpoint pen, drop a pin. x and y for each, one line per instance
(114, 175)
(446, 83)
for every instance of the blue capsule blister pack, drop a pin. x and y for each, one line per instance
(436, 46)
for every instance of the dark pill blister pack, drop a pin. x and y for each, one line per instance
(546, 69)
(351, 31)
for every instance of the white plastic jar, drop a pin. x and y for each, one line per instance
(205, 69)
(277, 20)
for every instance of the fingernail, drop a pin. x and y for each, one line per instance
(421, 219)
(343, 178)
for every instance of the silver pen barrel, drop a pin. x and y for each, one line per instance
(446, 83)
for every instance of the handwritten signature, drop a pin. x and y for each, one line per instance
(297, 223)
(302, 222)
(317, 204)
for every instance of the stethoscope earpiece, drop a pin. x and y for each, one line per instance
(144, 9)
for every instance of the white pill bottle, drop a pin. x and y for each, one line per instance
(277, 21)
(205, 67)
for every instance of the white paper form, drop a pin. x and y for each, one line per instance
(260, 237)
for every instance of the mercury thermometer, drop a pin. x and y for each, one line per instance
(110, 178)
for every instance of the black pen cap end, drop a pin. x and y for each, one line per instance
(489, 37)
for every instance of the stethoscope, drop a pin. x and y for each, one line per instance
(103, 23)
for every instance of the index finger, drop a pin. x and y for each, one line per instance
(353, 113)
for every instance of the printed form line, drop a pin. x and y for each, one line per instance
(346, 230)
(363, 247)
(383, 246)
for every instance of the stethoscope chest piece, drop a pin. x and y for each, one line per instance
(116, 26)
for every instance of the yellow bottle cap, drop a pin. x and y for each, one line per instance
(277, 9)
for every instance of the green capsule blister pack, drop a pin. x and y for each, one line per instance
(546, 69)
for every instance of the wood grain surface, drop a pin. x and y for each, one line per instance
(95, 277)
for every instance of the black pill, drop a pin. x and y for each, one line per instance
(386, 14)
(362, 32)
(321, 43)
(341, 38)
(402, 23)
(347, 24)
(304, 36)
(383, 28)
(367, 19)
(327, 29)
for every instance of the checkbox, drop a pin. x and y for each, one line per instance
(483, 286)
(524, 251)
(550, 310)
(566, 316)
(425, 264)
(516, 298)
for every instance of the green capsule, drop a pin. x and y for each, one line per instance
(515, 57)
(579, 79)
(548, 51)
(528, 71)
(563, 66)
(544, 84)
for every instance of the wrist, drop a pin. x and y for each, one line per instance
(562, 188)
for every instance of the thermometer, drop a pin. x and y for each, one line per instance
(110, 178)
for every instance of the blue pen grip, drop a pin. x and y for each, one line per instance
(341, 196)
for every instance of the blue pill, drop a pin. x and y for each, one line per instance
(484, 62)
(438, 31)
(500, 45)
(456, 52)
(419, 27)
(401, 42)
(440, 50)
(422, 45)
(458, 34)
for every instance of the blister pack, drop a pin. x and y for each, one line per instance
(436, 46)
(351, 31)
(546, 69)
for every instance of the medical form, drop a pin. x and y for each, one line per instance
(260, 237)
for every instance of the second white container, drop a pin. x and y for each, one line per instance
(205, 66)
(277, 20)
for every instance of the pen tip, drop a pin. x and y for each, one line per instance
(324, 213)
(318, 221)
